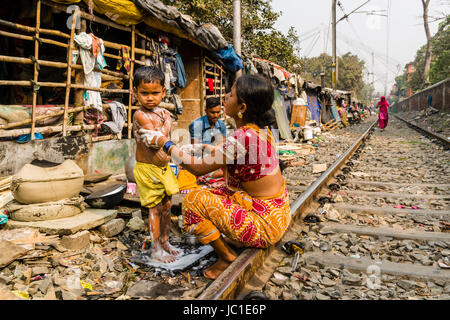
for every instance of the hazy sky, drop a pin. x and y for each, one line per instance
(363, 33)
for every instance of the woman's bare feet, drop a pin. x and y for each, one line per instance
(216, 269)
(226, 257)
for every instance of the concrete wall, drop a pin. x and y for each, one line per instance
(440, 98)
(104, 156)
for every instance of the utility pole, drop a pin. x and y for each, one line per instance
(387, 48)
(373, 69)
(237, 29)
(333, 70)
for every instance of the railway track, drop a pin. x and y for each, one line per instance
(374, 225)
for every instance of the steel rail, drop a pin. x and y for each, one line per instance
(233, 279)
(440, 138)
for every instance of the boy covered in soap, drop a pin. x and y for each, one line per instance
(155, 179)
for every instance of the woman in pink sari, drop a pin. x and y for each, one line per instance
(383, 113)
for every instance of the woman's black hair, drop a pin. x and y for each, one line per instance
(257, 93)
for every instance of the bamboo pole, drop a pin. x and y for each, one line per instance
(25, 83)
(78, 118)
(113, 56)
(104, 138)
(45, 130)
(69, 71)
(55, 64)
(211, 73)
(133, 39)
(202, 76)
(142, 58)
(36, 71)
(118, 46)
(43, 117)
(211, 63)
(30, 38)
(62, 8)
(32, 29)
(99, 89)
(167, 106)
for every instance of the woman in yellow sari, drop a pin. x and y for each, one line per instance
(253, 209)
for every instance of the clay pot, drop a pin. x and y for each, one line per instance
(129, 166)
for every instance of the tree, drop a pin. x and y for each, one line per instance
(426, 69)
(440, 64)
(350, 71)
(440, 61)
(313, 67)
(259, 37)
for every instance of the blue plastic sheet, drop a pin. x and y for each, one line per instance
(314, 107)
(27, 137)
(230, 58)
(3, 218)
(335, 112)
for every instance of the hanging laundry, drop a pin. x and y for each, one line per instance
(91, 78)
(178, 104)
(279, 75)
(96, 47)
(314, 107)
(119, 115)
(211, 85)
(334, 111)
(126, 58)
(281, 117)
(181, 79)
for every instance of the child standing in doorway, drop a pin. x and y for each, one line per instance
(155, 179)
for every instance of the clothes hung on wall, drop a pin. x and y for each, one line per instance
(119, 116)
(314, 107)
(288, 97)
(334, 111)
(91, 54)
(281, 117)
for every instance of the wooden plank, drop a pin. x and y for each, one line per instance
(362, 264)
(397, 185)
(388, 210)
(133, 39)
(385, 232)
(69, 73)
(35, 67)
(5, 197)
(396, 195)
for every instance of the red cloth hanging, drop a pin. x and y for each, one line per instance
(211, 85)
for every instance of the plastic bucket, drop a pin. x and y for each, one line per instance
(308, 133)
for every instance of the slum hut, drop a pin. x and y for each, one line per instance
(66, 69)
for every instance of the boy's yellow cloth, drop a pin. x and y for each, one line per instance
(154, 183)
(187, 181)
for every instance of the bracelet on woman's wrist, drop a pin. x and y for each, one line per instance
(167, 146)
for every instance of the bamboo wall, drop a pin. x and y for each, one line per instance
(192, 96)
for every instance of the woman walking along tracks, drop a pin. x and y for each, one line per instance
(383, 114)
